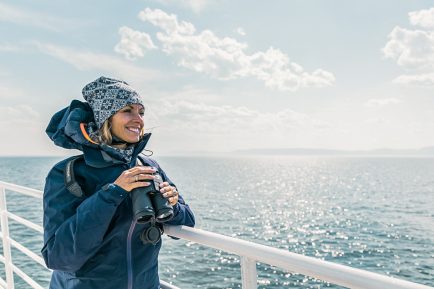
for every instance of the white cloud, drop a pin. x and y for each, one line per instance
(230, 120)
(133, 43)
(21, 16)
(417, 79)
(226, 58)
(86, 60)
(413, 49)
(169, 23)
(423, 18)
(199, 126)
(380, 102)
(240, 31)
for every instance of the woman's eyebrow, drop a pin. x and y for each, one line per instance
(132, 107)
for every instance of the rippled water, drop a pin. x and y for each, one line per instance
(375, 214)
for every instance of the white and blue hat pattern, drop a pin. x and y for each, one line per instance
(108, 95)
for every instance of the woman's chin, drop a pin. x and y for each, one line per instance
(133, 140)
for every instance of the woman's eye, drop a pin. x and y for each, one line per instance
(142, 113)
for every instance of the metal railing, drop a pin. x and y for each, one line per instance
(249, 252)
(8, 242)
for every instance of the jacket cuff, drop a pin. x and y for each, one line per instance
(176, 209)
(113, 193)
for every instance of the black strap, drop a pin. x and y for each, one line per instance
(70, 182)
(144, 160)
(141, 161)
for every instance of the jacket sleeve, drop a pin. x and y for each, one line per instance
(75, 227)
(183, 215)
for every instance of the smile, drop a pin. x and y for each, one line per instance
(134, 129)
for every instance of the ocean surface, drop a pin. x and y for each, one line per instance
(375, 214)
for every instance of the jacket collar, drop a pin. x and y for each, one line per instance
(97, 157)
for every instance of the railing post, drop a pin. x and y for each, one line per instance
(6, 243)
(248, 273)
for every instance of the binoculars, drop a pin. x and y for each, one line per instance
(149, 205)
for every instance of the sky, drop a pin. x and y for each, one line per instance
(220, 76)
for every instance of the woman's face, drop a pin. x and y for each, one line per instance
(127, 123)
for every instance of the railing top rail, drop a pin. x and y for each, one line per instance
(21, 189)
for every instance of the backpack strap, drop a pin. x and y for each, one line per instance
(71, 183)
(145, 161)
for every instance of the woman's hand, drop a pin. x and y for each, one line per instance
(169, 192)
(135, 177)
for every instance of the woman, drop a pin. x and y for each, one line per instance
(93, 240)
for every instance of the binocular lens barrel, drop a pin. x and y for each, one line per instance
(143, 217)
(142, 206)
(148, 203)
(165, 216)
(164, 211)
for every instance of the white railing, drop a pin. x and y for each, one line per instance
(249, 252)
(10, 268)
(8, 242)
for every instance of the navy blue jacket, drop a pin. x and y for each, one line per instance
(87, 239)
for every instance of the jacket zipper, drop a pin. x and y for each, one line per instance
(129, 255)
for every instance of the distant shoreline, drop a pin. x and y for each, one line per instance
(423, 152)
(428, 151)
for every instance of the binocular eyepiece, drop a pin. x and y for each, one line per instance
(149, 205)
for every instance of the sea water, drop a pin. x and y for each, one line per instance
(375, 214)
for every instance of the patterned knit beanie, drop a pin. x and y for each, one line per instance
(107, 95)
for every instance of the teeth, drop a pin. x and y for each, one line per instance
(133, 129)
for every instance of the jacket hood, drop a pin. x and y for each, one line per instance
(65, 131)
(64, 127)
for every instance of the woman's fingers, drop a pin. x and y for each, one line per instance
(135, 177)
(140, 184)
(142, 170)
(141, 177)
(169, 192)
(173, 200)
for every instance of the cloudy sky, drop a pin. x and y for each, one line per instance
(221, 75)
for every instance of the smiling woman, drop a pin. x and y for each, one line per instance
(108, 236)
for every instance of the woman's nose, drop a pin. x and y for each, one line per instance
(138, 116)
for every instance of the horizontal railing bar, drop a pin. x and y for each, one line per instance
(29, 253)
(165, 285)
(25, 222)
(2, 283)
(23, 190)
(309, 266)
(20, 273)
(26, 278)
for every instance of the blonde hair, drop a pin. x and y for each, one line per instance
(104, 134)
